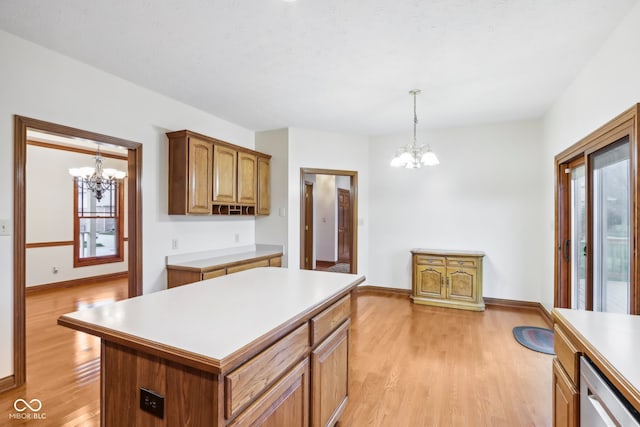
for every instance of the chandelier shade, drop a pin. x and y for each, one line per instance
(414, 156)
(96, 178)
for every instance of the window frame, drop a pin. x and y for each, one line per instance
(105, 259)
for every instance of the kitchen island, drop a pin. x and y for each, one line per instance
(267, 346)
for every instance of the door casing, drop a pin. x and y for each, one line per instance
(134, 178)
(353, 190)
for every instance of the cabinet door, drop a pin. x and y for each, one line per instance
(264, 187)
(199, 170)
(284, 404)
(461, 284)
(329, 383)
(429, 281)
(224, 174)
(247, 179)
(565, 398)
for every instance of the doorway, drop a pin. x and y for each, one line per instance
(22, 125)
(328, 220)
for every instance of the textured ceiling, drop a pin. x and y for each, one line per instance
(339, 65)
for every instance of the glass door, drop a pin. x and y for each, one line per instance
(611, 232)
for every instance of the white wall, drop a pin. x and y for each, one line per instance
(606, 87)
(325, 220)
(272, 229)
(49, 215)
(484, 195)
(327, 150)
(42, 84)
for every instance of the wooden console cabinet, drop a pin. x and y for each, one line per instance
(279, 359)
(208, 176)
(447, 278)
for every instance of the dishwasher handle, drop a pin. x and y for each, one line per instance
(602, 413)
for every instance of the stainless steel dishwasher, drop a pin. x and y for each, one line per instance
(600, 404)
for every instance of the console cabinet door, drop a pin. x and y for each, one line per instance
(565, 398)
(264, 187)
(461, 284)
(224, 174)
(247, 180)
(329, 383)
(429, 281)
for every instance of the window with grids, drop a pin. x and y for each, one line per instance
(98, 225)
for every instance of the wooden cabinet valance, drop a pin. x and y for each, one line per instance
(208, 176)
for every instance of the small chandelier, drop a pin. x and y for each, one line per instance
(96, 178)
(413, 156)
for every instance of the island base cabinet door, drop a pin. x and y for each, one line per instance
(329, 383)
(285, 404)
(565, 398)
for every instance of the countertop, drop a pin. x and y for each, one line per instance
(200, 261)
(213, 319)
(612, 342)
(446, 252)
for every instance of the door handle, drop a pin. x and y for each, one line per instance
(567, 249)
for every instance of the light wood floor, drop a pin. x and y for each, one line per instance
(411, 365)
(63, 366)
(415, 365)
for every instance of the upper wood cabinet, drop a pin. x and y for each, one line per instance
(225, 174)
(247, 178)
(264, 186)
(190, 169)
(209, 176)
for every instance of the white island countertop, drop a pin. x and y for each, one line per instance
(213, 320)
(612, 342)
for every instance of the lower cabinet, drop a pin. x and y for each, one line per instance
(178, 276)
(565, 398)
(284, 404)
(330, 367)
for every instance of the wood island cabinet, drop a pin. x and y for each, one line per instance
(279, 371)
(208, 176)
(447, 278)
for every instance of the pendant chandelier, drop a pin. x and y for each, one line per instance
(97, 179)
(413, 156)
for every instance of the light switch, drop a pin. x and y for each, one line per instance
(4, 227)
